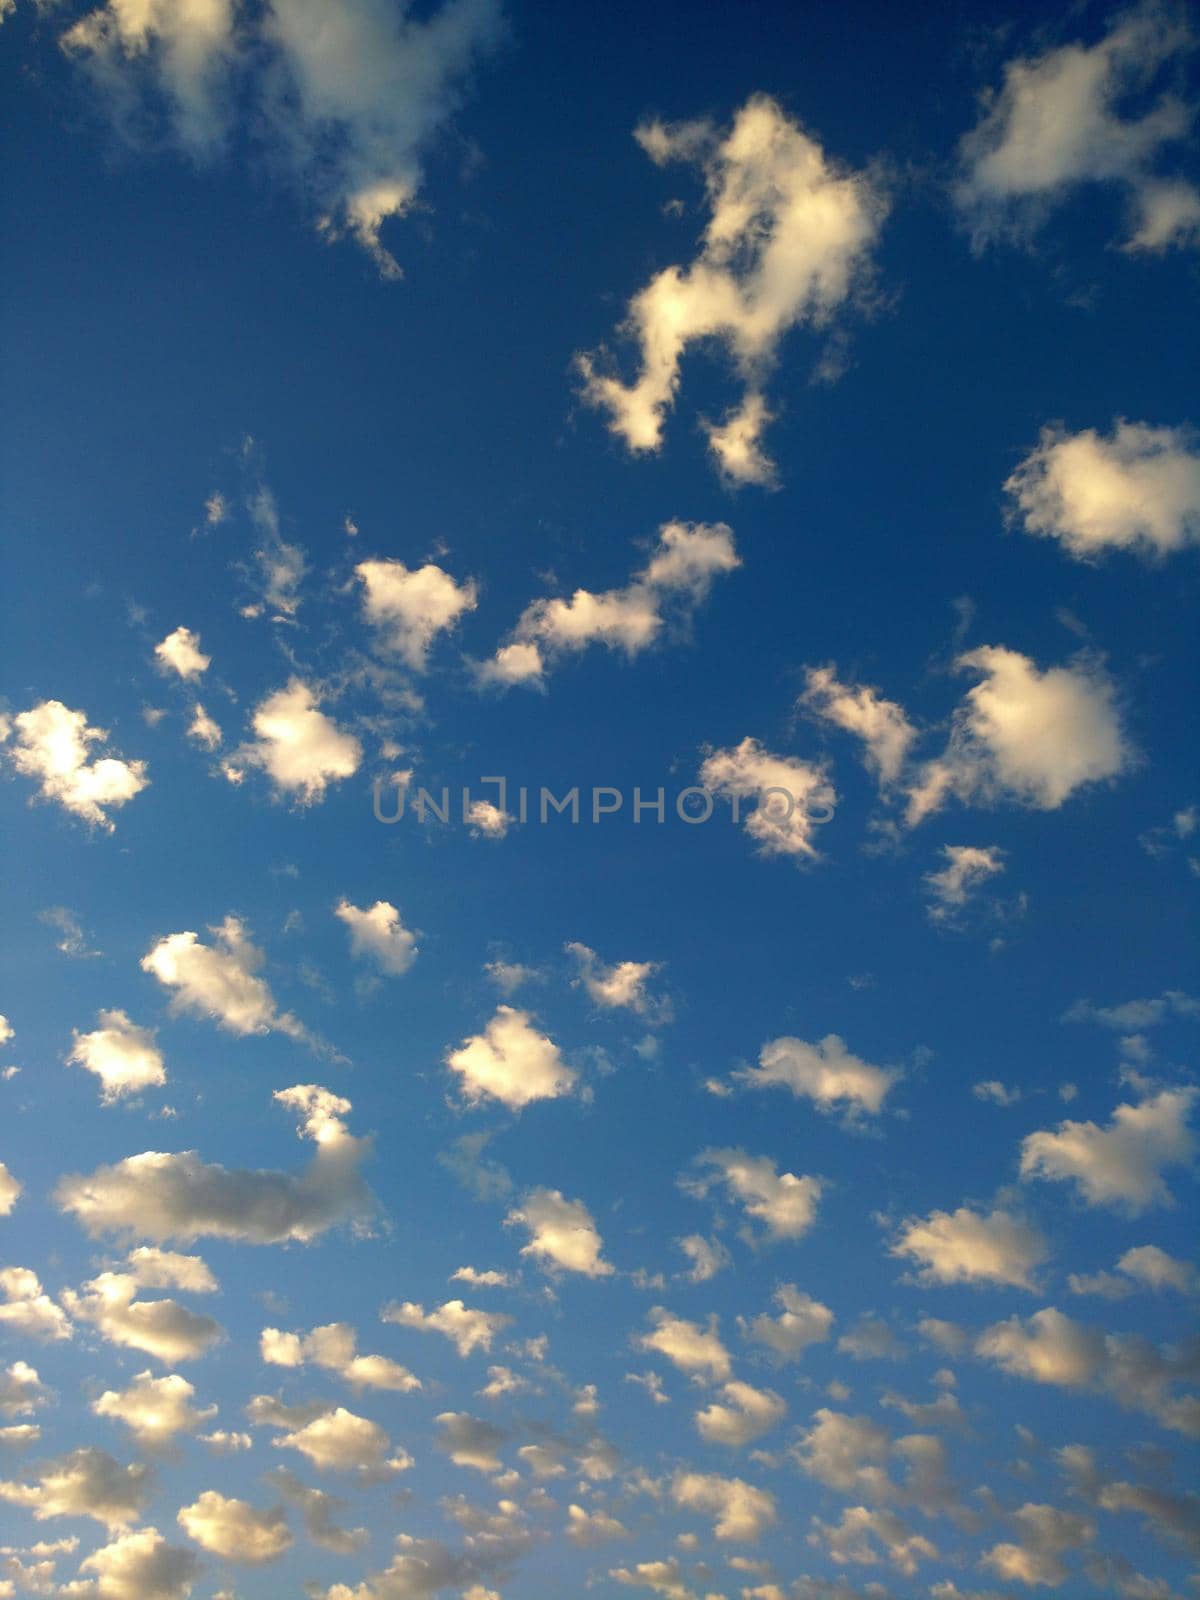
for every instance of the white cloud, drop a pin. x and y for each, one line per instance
(825, 1073)
(739, 1510)
(21, 1390)
(621, 986)
(1045, 1534)
(512, 1062)
(562, 1234)
(339, 1440)
(695, 1350)
(154, 1409)
(301, 750)
(469, 1441)
(846, 1453)
(849, 1542)
(747, 1414)
(589, 1528)
(123, 1056)
(707, 1257)
(161, 1196)
(881, 724)
(967, 867)
(486, 820)
(411, 606)
(802, 1322)
(787, 243)
(784, 1203)
(334, 1346)
(790, 795)
(466, 1328)
(84, 1483)
(1138, 490)
(490, 1278)
(203, 729)
(1057, 123)
(27, 1307)
(1155, 1269)
(345, 103)
(180, 652)
(163, 1328)
(220, 981)
(662, 595)
(235, 1530)
(52, 746)
(379, 934)
(966, 1246)
(1122, 1164)
(11, 1190)
(1135, 1016)
(1024, 735)
(140, 1566)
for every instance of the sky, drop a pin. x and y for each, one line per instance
(600, 955)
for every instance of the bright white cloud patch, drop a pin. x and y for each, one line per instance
(466, 1328)
(140, 1566)
(745, 1415)
(659, 600)
(825, 1073)
(562, 1234)
(512, 1062)
(1080, 114)
(154, 1409)
(410, 607)
(967, 868)
(966, 1246)
(123, 1056)
(787, 242)
(791, 798)
(180, 652)
(300, 749)
(204, 730)
(695, 1349)
(785, 1204)
(220, 981)
(621, 986)
(739, 1511)
(1137, 489)
(802, 1321)
(52, 745)
(379, 935)
(236, 1530)
(1122, 1164)
(162, 1328)
(881, 724)
(84, 1483)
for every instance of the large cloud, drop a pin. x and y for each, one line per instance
(786, 243)
(739, 1510)
(154, 1409)
(162, 1328)
(52, 746)
(140, 1566)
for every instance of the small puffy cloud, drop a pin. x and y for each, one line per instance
(881, 724)
(162, 1196)
(84, 1483)
(590, 1528)
(562, 1234)
(1154, 1269)
(966, 1246)
(162, 1328)
(221, 980)
(740, 1511)
(141, 1566)
(489, 1278)
(512, 1062)
(469, 1441)
(335, 1348)
(466, 1328)
(846, 1453)
(787, 243)
(1057, 123)
(696, 1350)
(1045, 1535)
(154, 1409)
(825, 1073)
(870, 1339)
(1024, 735)
(746, 1415)
(339, 1440)
(123, 1056)
(1135, 1016)
(791, 796)
(661, 596)
(1122, 1164)
(1137, 489)
(7, 1031)
(318, 1510)
(802, 1321)
(203, 729)
(21, 1390)
(854, 1540)
(300, 749)
(410, 607)
(11, 1190)
(621, 986)
(487, 821)
(660, 1577)
(784, 1203)
(180, 652)
(967, 867)
(52, 745)
(235, 1530)
(707, 1257)
(379, 934)
(27, 1307)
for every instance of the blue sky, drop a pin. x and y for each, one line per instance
(715, 398)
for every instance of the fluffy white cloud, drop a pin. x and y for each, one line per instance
(786, 243)
(339, 1440)
(881, 724)
(825, 1073)
(707, 1256)
(334, 1347)
(740, 1511)
(84, 1483)
(300, 749)
(154, 1409)
(966, 1246)
(162, 1328)
(512, 1062)
(161, 1196)
(1138, 489)
(11, 1190)
(379, 934)
(52, 745)
(203, 729)
(1045, 1534)
(846, 1453)
(746, 1415)
(1123, 1163)
(123, 1056)
(466, 1328)
(621, 986)
(318, 1510)
(1024, 735)
(791, 797)
(411, 606)
(852, 1541)
(562, 1233)
(1155, 1269)
(660, 596)
(695, 1350)
(28, 1308)
(967, 867)
(346, 102)
(784, 1203)
(140, 1566)
(220, 980)
(802, 1321)
(589, 1528)
(180, 652)
(235, 1530)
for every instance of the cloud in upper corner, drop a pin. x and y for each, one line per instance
(300, 749)
(1138, 489)
(659, 598)
(346, 100)
(52, 745)
(1057, 123)
(787, 243)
